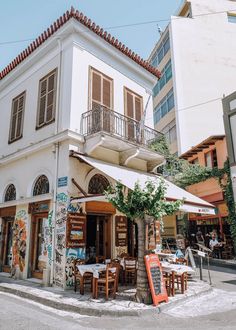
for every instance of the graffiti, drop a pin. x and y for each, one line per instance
(73, 208)
(19, 240)
(60, 241)
(58, 256)
(71, 255)
(48, 238)
(62, 198)
(58, 276)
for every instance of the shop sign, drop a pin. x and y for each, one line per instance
(62, 181)
(121, 230)
(76, 231)
(40, 207)
(155, 279)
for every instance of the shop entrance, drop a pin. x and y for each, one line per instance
(98, 237)
(38, 249)
(7, 232)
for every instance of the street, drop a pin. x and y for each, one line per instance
(215, 310)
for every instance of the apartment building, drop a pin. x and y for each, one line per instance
(195, 56)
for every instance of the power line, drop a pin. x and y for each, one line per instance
(131, 25)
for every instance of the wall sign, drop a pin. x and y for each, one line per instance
(39, 207)
(62, 181)
(121, 230)
(76, 231)
(155, 279)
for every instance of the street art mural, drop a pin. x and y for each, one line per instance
(19, 240)
(48, 237)
(71, 255)
(60, 237)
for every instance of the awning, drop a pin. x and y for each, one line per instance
(128, 177)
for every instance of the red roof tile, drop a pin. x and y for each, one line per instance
(90, 25)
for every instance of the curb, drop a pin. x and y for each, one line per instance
(89, 311)
(217, 263)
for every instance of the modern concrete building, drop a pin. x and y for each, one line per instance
(195, 54)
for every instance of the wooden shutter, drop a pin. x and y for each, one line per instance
(138, 108)
(129, 105)
(50, 97)
(42, 102)
(14, 119)
(96, 87)
(107, 93)
(18, 105)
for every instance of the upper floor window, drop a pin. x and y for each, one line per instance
(17, 117)
(133, 105)
(166, 75)
(98, 184)
(47, 99)
(195, 161)
(41, 186)
(211, 159)
(170, 132)
(10, 194)
(231, 18)
(161, 51)
(164, 106)
(101, 90)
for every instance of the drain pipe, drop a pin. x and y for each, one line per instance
(56, 151)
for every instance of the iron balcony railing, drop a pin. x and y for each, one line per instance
(102, 119)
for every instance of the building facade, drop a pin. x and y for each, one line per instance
(192, 53)
(72, 124)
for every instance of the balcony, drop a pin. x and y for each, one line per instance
(102, 119)
(103, 127)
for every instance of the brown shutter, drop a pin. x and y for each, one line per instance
(138, 108)
(42, 102)
(107, 93)
(50, 97)
(96, 87)
(129, 105)
(13, 119)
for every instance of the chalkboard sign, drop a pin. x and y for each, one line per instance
(155, 278)
(121, 230)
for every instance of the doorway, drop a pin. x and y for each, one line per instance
(38, 250)
(7, 232)
(98, 237)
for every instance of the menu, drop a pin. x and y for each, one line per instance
(121, 230)
(76, 231)
(155, 279)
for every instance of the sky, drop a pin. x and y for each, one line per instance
(26, 19)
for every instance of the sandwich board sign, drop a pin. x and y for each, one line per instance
(155, 279)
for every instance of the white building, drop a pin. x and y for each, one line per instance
(71, 106)
(196, 56)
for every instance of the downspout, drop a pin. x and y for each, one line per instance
(57, 146)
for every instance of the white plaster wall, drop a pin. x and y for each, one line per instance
(204, 66)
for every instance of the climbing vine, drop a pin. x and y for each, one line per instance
(184, 174)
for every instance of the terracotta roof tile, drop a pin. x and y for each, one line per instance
(90, 25)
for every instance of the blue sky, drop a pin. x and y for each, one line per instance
(26, 19)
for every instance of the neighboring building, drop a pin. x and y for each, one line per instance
(71, 106)
(211, 152)
(195, 54)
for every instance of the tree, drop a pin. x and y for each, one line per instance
(142, 205)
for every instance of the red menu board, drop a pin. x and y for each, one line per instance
(155, 279)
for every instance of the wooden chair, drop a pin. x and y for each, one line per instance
(130, 270)
(115, 263)
(100, 259)
(106, 282)
(169, 280)
(86, 279)
(182, 281)
(181, 261)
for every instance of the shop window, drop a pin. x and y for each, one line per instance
(41, 186)
(10, 194)
(98, 184)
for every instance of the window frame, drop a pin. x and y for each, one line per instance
(126, 89)
(211, 152)
(16, 138)
(45, 123)
(90, 98)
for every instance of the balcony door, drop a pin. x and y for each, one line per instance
(133, 110)
(101, 102)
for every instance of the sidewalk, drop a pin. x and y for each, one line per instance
(231, 263)
(85, 305)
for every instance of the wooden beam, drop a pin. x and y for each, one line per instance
(78, 186)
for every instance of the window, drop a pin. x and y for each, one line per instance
(101, 92)
(133, 105)
(164, 106)
(211, 159)
(170, 132)
(41, 186)
(161, 51)
(47, 99)
(166, 75)
(232, 18)
(10, 194)
(17, 117)
(98, 184)
(195, 161)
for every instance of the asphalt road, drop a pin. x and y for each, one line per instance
(216, 310)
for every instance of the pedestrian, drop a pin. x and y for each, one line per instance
(199, 236)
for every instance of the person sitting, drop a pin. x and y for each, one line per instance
(214, 245)
(199, 237)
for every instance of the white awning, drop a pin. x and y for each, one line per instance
(128, 177)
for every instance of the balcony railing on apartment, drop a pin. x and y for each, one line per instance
(102, 119)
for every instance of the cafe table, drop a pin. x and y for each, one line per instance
(179, 269)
